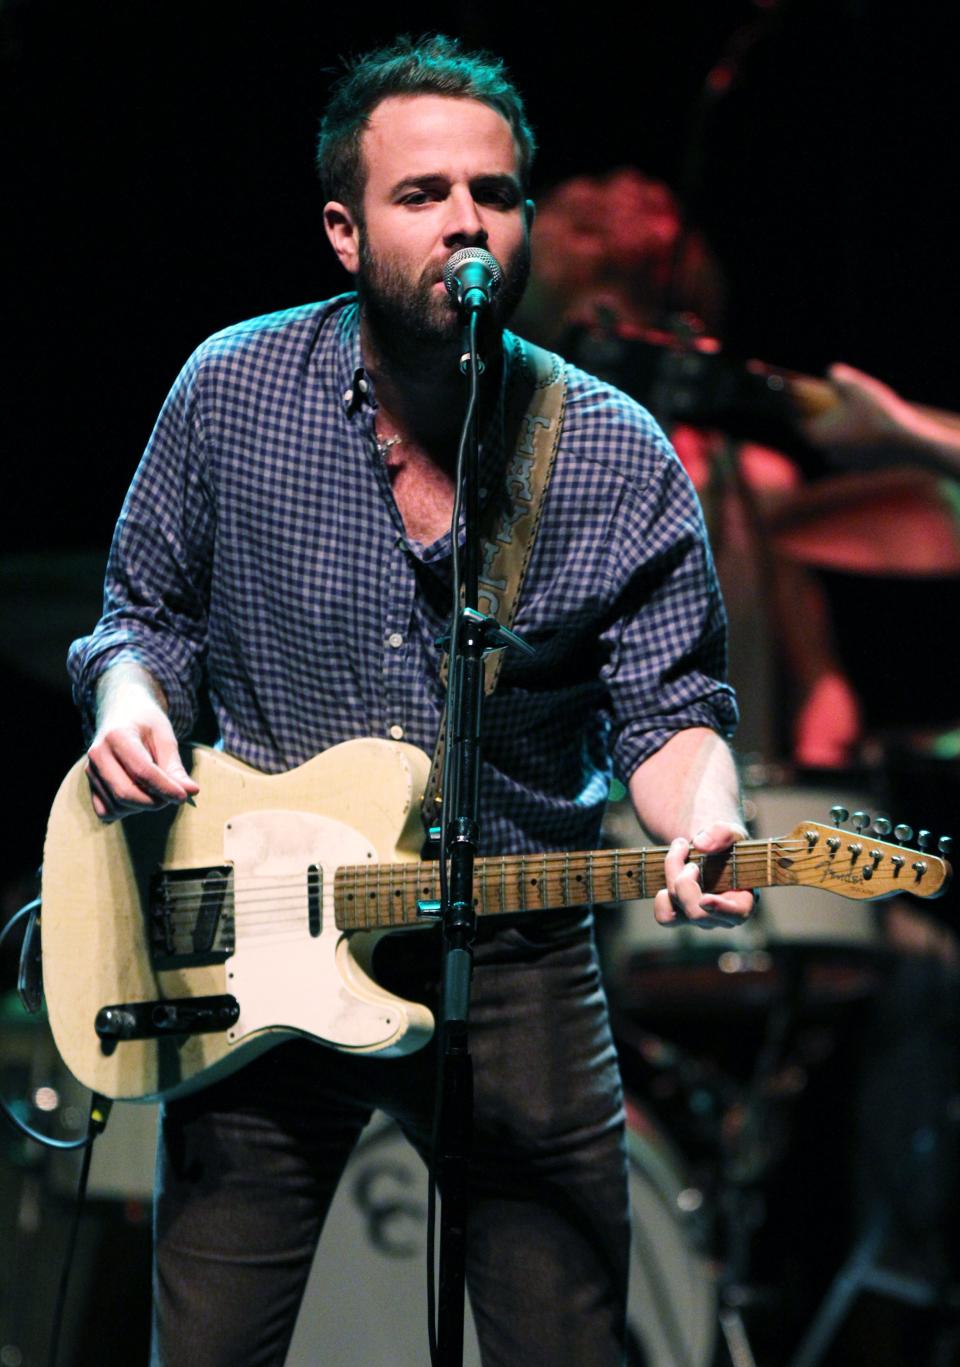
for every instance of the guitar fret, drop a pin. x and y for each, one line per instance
(545, 884)
(565, 878)
(503, 883)
(616, 876)
(590, 897)
(606, 882)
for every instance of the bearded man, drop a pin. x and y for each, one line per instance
(287, 535)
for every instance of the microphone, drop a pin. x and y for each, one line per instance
(473, 277)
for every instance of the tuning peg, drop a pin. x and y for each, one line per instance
(882, 827)
(903, 833)
(861, 821)
(839, 814)
(945, 845)
(924, 838)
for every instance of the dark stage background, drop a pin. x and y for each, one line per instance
(158, 185)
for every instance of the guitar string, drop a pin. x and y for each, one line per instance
(417, 872)
(408, 878)
(412, 875)
(251, 913)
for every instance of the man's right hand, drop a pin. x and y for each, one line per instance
(133, 764)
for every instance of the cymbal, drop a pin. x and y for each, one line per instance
(900, 521)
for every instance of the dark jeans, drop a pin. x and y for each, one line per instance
(248, 1168)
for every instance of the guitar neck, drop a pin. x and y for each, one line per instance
(379, 896)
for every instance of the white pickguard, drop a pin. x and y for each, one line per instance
(281, 975)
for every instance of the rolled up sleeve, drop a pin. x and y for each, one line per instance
(666, 648)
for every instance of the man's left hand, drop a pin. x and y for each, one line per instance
(683, 901)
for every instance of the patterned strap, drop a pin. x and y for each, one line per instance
(537, 412)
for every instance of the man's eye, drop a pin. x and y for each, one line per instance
(417, 197)
(498, 199)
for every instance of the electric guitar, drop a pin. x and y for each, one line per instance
(180, 943)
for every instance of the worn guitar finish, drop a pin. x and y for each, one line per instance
(274, 889)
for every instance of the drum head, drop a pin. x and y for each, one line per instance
(673, 1299)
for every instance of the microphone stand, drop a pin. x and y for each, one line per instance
(472, 636)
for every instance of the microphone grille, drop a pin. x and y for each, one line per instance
(464, 254)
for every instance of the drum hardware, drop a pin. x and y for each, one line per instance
(741, 1130)
(863, 1271)
(908, 1115)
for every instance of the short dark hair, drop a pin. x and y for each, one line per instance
(431, 65)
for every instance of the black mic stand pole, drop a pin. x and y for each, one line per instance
(459, 832)
(472, 636)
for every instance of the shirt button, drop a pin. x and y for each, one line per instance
(395, 640)
(348, 397)
(396, 732)
(362, 386)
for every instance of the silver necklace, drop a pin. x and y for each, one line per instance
(384, 444)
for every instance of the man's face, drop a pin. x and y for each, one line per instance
(441, 175)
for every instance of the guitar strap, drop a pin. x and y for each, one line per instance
(537, 391)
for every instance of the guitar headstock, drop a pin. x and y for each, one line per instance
(860, 865)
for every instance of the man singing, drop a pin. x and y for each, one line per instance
(287, 537)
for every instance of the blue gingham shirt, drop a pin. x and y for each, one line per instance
(260, 542)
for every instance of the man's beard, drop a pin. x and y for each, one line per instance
(413, 317)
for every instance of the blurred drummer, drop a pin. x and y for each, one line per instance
(614, 248)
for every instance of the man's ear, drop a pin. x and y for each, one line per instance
(530, 209)
(344, 234)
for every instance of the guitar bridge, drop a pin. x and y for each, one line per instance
(191, 917)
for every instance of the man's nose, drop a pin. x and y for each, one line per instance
(464, 226)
